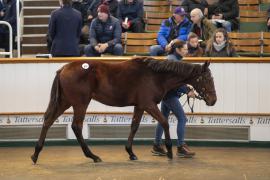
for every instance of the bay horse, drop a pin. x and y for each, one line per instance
(141, 82)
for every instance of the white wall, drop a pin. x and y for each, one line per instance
(241, 88)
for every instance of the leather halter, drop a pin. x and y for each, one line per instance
(202, 94)
(200, 80)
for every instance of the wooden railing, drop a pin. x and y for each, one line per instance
(125, 58)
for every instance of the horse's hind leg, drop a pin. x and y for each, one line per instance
(134, 127)
(77, 125)
(46, 125)
(155, 113)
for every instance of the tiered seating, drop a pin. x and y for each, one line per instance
(247, 44)
(154, 20)
(156, 6)
(138, 43)
(251, 44)
(155, 13)
(174, 4)
(266, 43)
(251, 18)
(264, 5)
(252, 21)
(250, 5)
(36, 15)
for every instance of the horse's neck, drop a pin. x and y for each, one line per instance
(173, 81)
(187, 71)
(186, 75)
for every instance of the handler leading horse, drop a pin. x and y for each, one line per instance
(141, 82)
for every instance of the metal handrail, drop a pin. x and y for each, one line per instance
(10, 39)
(18, 28)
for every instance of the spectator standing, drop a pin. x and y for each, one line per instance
(105, 34)
(220, 45)
(176, 27)
(65, 30)
(130, 14)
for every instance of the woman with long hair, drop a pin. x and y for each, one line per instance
(220, 45)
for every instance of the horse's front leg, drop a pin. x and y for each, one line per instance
(155, 113)
(134, 127)
(77, 125)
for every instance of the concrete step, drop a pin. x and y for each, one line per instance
(34, 39)
(32, 10)
(34, 49)
(39, 19)
(35, 29)
(41, 3)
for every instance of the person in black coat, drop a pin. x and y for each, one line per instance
(2, 9)
(10, 16)
(225, 14)
(105, 34)
(130, 14)
(268, 19)
(64, 30)
(189, 5)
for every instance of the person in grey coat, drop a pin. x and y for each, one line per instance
(65, 30)
(105, 34)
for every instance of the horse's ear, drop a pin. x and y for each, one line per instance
(206, 65)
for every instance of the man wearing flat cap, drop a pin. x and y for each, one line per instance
(105, 34)
(176, 27)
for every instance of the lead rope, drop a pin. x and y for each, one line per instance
(191, 107)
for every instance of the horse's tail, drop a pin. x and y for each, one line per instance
(55, 97)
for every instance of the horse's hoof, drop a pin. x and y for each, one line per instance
(170, 155)
(97, 160)
(133, 158)
(34, 159)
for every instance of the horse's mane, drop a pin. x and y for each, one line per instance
(169, 65)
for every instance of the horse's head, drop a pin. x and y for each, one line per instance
(204, 85)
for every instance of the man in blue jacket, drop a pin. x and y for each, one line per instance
(176, 27)
(65, 30)
(105, 34)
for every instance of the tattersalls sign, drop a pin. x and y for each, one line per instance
(259, 126)
(209, 120)
(262, 121)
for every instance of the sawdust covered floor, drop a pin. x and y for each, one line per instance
(68, 162)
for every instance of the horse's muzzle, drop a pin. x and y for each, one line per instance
(211, 101)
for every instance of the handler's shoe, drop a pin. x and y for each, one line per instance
(184, 151)
(158, 150)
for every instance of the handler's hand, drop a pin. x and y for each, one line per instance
(191, 94)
